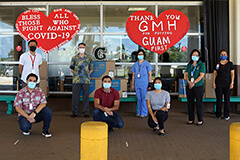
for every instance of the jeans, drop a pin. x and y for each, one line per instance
(76, 97)
(195, 92)
(161, 117)
(44, 115)
(112, 121)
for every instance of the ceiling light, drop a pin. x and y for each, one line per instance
(39, 9)
(137, 9)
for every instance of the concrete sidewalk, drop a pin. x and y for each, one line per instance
(135, 141)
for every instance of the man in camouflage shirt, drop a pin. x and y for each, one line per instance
(81, 67)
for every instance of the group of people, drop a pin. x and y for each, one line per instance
(152, 100)
(223, 81)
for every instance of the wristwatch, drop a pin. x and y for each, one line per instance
(35, 112)
(232, 82)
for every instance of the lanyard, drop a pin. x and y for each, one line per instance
(192, 73)
(139, 65)
(33, 60)
(223, 65)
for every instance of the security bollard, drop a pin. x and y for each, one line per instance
(94, 141)
(234, 137)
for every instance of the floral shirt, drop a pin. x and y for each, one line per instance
(25, 97)
(81, 68)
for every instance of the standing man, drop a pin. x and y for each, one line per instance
(30, 103)
(106, 102)
(81, 67)
(30, 62)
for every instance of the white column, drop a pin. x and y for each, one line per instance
(234, 31)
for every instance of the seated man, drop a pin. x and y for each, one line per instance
(30, 103)
(106, 102)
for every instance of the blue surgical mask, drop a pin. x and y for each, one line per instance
(223, 57)
(32, 85)
(157, 86)
(195, 58)
(140, 57)
(106, 85)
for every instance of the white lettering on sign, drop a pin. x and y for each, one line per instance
(60, 22)
(157, 33)
(61, 16)
(61, 25)
(155, 41)
(157, 25)
(172, 17)
(144, 26)
(142, 18)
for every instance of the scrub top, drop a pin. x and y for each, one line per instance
(199, 69)
(223, 78)
(143, 69)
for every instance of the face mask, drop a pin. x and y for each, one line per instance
(31, 85)
(140, 57)
(195, 58)
(106, 85)
(223, 57)
(81, 50)
(33, 48)
(157, 86)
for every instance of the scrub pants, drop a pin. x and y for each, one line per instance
(44, 115)
(76, 97)
(112, 121)
(195, 92)
(220, 91)
(141, 93)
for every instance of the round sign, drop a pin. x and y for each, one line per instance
(184, 48)
(18, 48)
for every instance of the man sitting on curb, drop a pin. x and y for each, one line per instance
(30, 103)
(106, 102)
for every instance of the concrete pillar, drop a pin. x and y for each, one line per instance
(234, 140)
(234, 22)
(94, 140)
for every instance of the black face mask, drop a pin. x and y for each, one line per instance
(33, 48)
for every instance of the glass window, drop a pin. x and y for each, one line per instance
(192, 12)
(89, 16)
(115, 17)
(8, 51)
(65, 52)
(119, 47)
(9, 77)
(176, 54)
(9, 15)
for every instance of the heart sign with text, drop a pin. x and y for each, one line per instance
(157, 34)
(50, 32)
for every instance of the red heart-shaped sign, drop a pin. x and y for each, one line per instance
(157, 34)
(50, 32)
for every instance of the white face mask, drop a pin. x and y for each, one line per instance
(81, 50)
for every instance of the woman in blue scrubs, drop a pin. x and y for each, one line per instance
(141, 80)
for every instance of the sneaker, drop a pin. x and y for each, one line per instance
(142, 116)
(227, 118)
(27, 133)
(86, 115)
(217, 117)
(137, 115)
(73, 115)
(46, 134)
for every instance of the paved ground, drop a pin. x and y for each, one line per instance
(181, 142)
